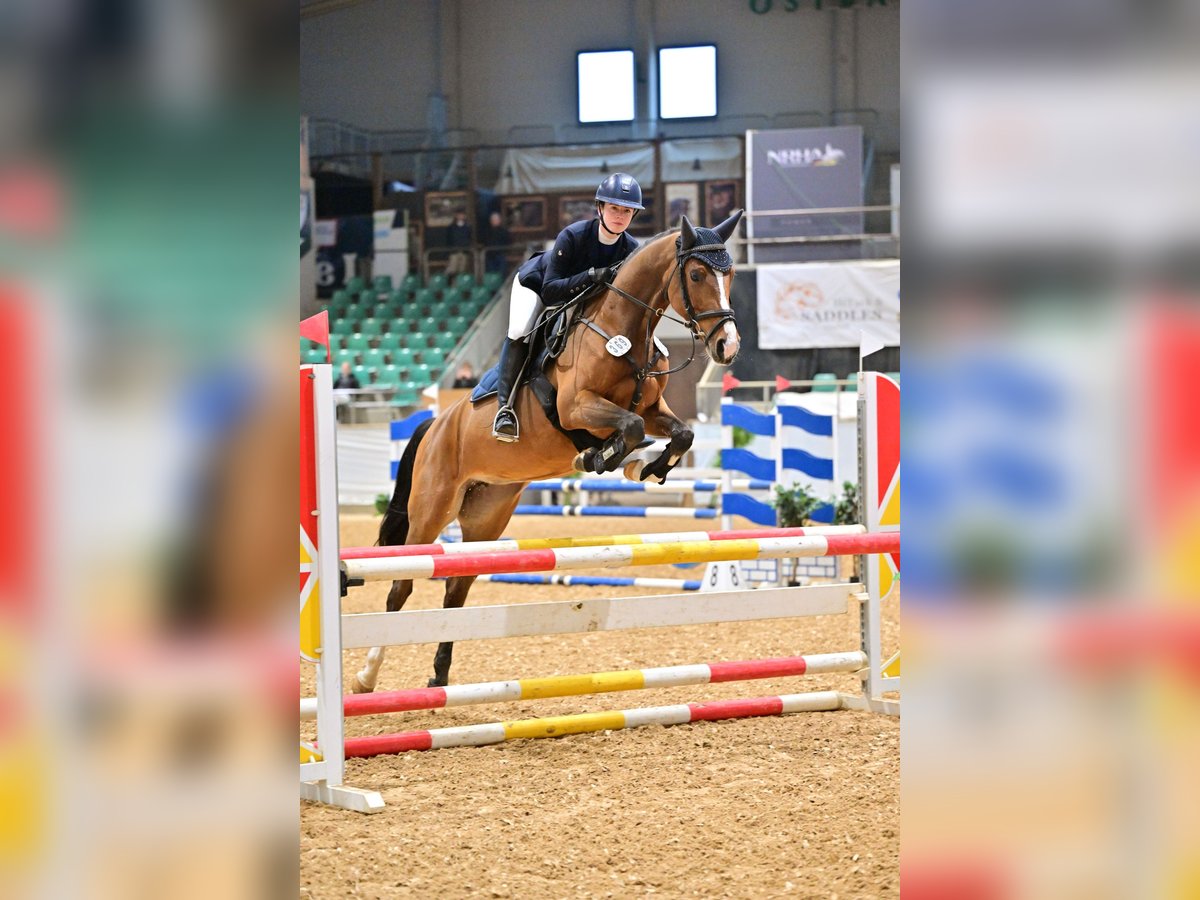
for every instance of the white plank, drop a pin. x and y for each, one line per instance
(425, 626)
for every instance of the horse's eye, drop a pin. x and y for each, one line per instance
(697, 275)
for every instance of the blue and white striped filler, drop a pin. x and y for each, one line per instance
(638, 512)
(794, 459)
(679, 584)
(740, 459)
(620, 485)
(402, 430)
(763, 424)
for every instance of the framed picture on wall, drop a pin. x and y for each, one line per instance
(523, 214)
(683, 199)
(575, 207)
(441, 207)
(646, 222)
(720, 199)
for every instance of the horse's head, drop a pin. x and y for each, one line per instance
(705, 280)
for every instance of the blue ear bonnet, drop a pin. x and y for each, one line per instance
(709, 248)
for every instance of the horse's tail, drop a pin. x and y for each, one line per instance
(393, 530)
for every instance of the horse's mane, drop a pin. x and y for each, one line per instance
(599, 296)
(650, 240)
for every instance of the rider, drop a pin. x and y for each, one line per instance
(584, 254)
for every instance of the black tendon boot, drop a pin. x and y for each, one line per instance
(512, 357)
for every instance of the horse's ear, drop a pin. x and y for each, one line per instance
(687, 236)
(725, 229)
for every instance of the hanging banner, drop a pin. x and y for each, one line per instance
(828, 305)
(804, 169)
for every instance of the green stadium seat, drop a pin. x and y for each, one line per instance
(358, 342)
(387, 376)
(464, 280)
(343, 326)
(355, 284)
(421, 374)
(374, 358)
(402, 358)
(445, 341)
(825, 382)
(387, 311)
(411, 282)
(492, 280)
(390, 342)
(370, 327)
(355, 311)
(314, 356)
(345, 356)
(341, 298)
(381, 283)
(437, 283)
(405, 396)
(365, 374)
(435, 359)
(459, 325)
(423, 297)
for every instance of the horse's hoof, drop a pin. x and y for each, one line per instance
(433, 682)
(358, 687)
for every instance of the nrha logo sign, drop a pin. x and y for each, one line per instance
(806, 157)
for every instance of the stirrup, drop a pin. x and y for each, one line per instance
(511, 436)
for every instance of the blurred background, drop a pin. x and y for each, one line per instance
(1051, 492)
(148, 290)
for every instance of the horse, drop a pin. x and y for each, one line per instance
(609, 378)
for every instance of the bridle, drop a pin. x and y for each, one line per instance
(695, 318)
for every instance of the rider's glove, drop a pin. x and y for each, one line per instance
(603, 275)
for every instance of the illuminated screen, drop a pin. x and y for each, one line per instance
(605, 85)
(687, 82)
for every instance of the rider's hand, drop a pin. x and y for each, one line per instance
(603, 275)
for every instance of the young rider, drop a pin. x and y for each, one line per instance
(584, 254)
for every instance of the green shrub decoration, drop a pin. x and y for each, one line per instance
(794, 505)
(846, 511)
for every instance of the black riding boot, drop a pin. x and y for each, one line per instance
(512, 357)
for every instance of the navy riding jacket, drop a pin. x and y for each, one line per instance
(561, 273)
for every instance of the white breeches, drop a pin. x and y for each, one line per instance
(523, 309)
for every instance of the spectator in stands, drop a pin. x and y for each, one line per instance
(496, 236)
(584, 254)
(458, 238)
(347, 380)
(465, 376)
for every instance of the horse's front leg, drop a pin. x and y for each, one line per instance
(662, 422)
(591, 412)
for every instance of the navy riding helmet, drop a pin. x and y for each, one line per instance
(622, 190)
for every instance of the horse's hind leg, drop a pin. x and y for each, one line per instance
(427, 518)
(486, 511)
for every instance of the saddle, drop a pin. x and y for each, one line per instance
(546, 344)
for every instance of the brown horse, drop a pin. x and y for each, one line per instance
(612, 389)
